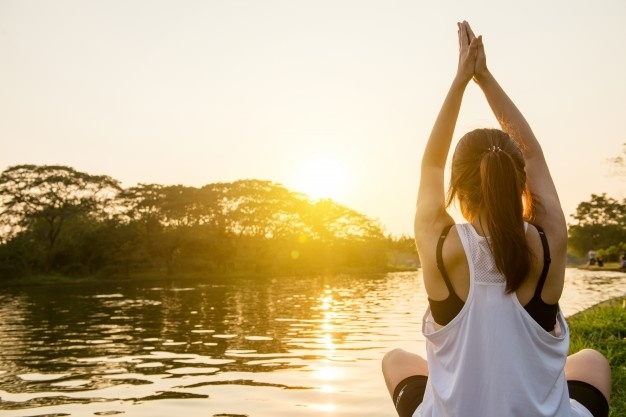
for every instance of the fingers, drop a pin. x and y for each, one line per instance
(472, 53)
(464, 39)
(474, 45)
(480, 65)
(481, 46)
(467, 39)
(470, 32)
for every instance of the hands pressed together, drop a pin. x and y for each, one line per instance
(472, 59)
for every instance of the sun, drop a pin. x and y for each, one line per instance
(322, 176)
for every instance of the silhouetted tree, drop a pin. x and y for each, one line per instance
(600, 224)
(40, 199)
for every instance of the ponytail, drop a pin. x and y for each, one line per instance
(501, 189)
(488, 179)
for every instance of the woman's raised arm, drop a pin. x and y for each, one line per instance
(430, 212)
(547, 207)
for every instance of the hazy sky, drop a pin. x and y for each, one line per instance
(343, 91)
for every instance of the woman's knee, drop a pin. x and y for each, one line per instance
(393, 356)
(590, 366)
(593, 360)
(399, 364)
(392, 361)
(401, 359)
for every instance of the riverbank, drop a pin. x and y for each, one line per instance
(603, 327)
(609, 266)
(40, 280)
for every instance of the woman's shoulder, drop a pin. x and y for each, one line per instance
(430, 235)
(552, 234)
(547, 248)
(427, 229)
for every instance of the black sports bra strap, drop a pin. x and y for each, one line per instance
(546, 262)
(440, 265)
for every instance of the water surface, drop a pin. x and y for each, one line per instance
(240, 347)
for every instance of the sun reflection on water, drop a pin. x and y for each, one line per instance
(326, 302)
(328, 389)
(327, 373)
(328, 408)
(327, 341)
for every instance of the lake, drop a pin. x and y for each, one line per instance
(301, 346)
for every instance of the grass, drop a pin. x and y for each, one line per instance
(603, 328)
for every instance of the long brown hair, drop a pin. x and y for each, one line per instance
(488, 178)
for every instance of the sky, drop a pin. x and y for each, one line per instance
(333, 98)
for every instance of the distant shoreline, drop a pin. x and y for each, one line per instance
(609, 268)
(44, 280)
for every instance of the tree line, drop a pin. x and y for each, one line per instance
(57, 220)
(600, 224)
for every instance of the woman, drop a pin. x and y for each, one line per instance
(496, 340)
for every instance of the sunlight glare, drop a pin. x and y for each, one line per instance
(327, 373)
(328, 389)
(322, 176)
(327, 341)
(329, 408)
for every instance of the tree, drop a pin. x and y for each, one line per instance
(178, 226)
(42, 198)
(328, 219)
(601, 223)
(260, 209)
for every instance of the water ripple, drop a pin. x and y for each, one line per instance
(262, 347)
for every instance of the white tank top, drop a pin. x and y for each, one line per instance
(493, 359)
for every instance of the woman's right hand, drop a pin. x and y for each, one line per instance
(468, 52)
